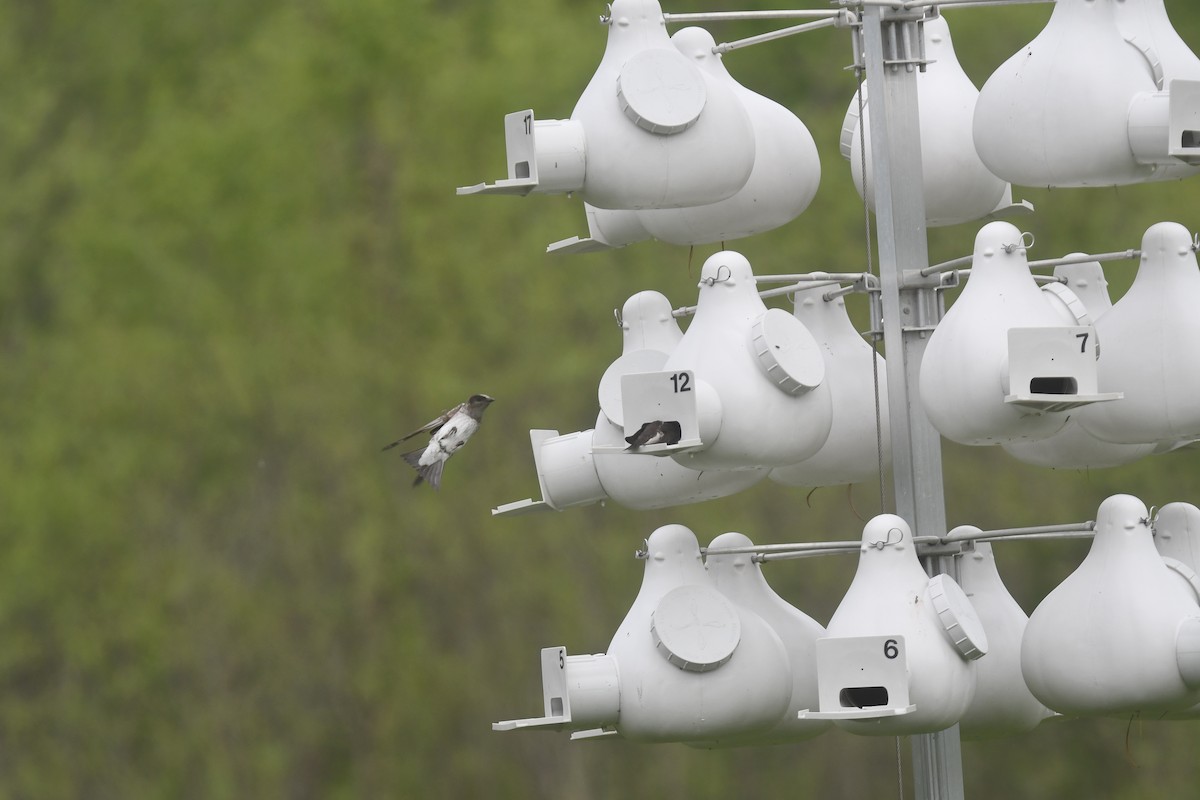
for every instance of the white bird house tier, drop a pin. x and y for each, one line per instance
(691, 665)
(783, 181)
(1121, 634)
(898, 652)
(1001, 364)
(1089, 103)
(1002, 704)
(857, 379)
(651, 130)
(744, 388)
(957, 186)
(1151, 341)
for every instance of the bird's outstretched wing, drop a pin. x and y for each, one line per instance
(432, 426)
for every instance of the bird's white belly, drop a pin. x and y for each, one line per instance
(453, 435)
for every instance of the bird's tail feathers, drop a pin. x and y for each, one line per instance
(428, 472)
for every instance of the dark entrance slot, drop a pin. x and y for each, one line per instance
(1053, 386)
(863, 696)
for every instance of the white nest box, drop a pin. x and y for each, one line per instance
(688, 664)
(897, 656)
(1001, 363)
(651, 130)
(744, 388)
(1091, 102)
(1151, 347)
(739, 578)
(572, 473)
(857, 378)
(1002, 704)
(783, 181)
(1120, 635)
(957, 186)
(1081, 300)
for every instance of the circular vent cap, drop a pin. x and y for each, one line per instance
(660, 91)
(958, 617)
(787, 353)
(695, 628)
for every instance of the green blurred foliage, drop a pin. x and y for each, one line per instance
(233, 265)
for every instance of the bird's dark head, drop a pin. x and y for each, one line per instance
(478, 402)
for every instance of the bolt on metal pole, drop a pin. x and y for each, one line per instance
(892, 43)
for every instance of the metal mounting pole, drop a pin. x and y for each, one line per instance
(893, 46)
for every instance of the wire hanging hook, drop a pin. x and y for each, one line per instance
(721, 270)
(1025, 242)
(882, 543)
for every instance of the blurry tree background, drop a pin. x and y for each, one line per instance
(233, 265)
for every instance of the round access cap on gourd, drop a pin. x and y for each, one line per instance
(787, 352)
(958, 617)
(695, 628)
(660, 91)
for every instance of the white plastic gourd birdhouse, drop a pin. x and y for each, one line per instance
(957, 186)
(1120, 634)
(1081, 105)
(649, 334)
(1001, 363)
(1177, 539)
(1080, 301)
(695, 666)
(651, 130)
(897, 656)
(744, 388)
(783, 181)
(570, 470)
(686, 665)
(1151, 347)
(1163, 124)
(1002, 704)
(739, 578)
(857, 378)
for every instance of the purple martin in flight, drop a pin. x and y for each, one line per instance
(656, 432)
(447, 433)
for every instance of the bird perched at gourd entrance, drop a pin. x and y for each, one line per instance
(656, 432)
(447, 433)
